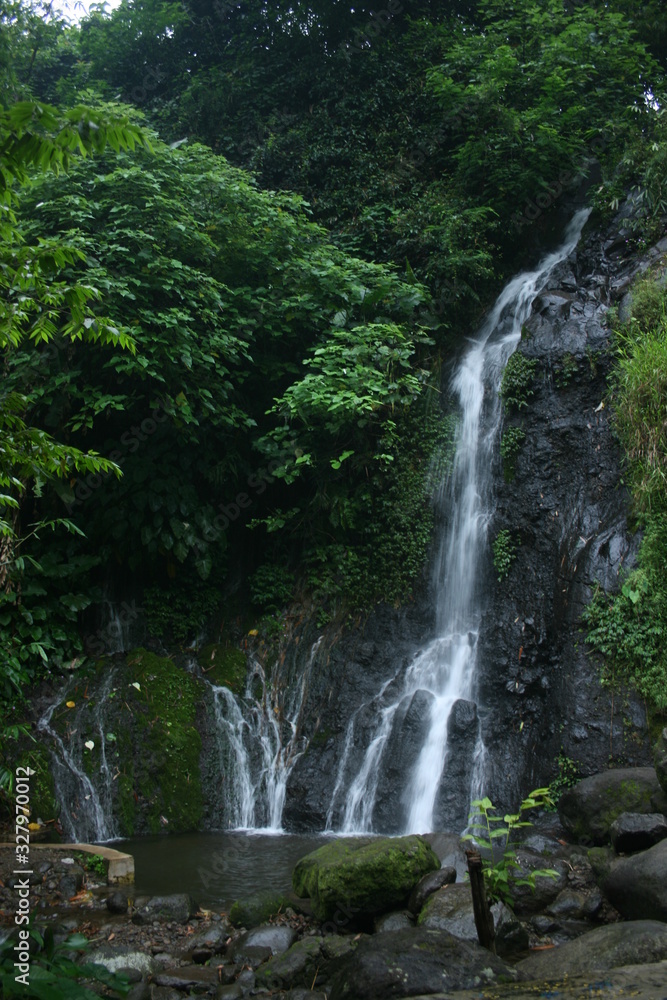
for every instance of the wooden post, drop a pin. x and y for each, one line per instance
(483, 917)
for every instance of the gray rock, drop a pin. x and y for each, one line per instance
(429, 884)
(117, 902)
(571, 904)
(450, 909)
(232, 991)
(605, 948)
(246, 981)
(526, 901)
(452, 797)
(413, 962)
(588, 810)
(660, 759)
(601, 860)
(296, 967)
(69, 879)
(140, 991)
(188, 977)
(450, 850)
(178, 908)
(637, 886)
(115, 959)
(396, 921)
(305, 995)
(277, 938)
(247, 954)
(165, 993)
(633, 832)
(211, 938)
(511, 935)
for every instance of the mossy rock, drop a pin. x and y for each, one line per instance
(166, 742)
(224, 666)
(588, 810)
(362, 878)
(256, 909)
(601, 860)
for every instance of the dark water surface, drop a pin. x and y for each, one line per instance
(216, 868)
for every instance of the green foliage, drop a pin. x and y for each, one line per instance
(93, 863)
(510, 446)
(516, 386)
(628, 629)
(377, 538)
(567, 777)
(504, 553)
(54, 974)
(566, 370)
(493, 834)
(271, 587)
(180, 612)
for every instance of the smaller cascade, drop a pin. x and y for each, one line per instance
(84, 792)
(258, 741)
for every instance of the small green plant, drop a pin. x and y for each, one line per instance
(54, 975)
(510, 446)
(566, 371)
(516, 385)
(504, 553)
(493, 834)
(567, 777)
(93, 863)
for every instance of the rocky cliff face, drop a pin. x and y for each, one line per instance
(564, 504)
(537, 693)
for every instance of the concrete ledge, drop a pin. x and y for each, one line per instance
(120, 867)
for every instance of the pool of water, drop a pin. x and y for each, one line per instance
(216, 868)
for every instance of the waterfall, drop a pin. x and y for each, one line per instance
(437, 691)
(258, 741)
(85, 798)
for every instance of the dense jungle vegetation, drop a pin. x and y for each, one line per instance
(239, 240)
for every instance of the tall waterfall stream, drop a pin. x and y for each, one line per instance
(259, 734)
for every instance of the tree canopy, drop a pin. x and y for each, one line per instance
(239, 241)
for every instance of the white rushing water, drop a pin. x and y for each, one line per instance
(85, 798)
(259, 740)
(445, 669)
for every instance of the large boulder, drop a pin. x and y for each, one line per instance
(637, 886)
(450, 909)
(605, 948)
(633, 832)
(416, 962)
(361, 879)
(313, 960)
(527, 899)
(660, 759)
(588, 810)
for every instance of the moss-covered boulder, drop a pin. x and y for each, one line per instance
(588, 810)
(257, 908)
(359, 879)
